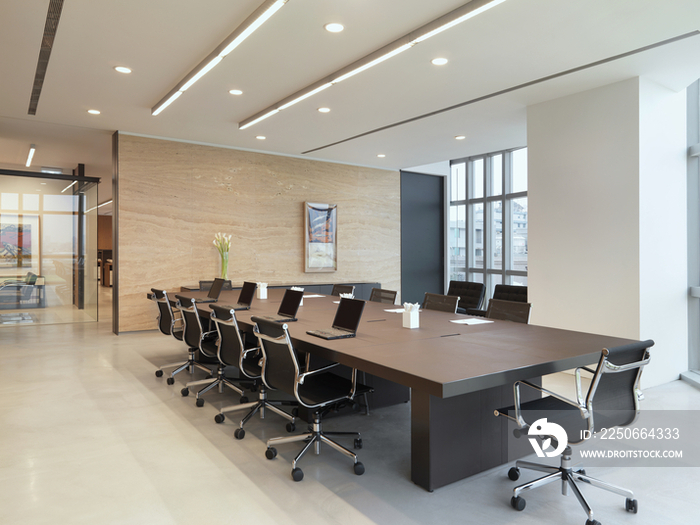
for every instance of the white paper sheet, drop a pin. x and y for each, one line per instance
(395, 310)
(470, 321)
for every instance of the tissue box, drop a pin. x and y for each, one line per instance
(262, 291)
(410, 318)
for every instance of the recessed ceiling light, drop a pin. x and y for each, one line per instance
(439, 61)
(334, 28)
(122, 69)
(381, 155)
(460, 137)
(261, 137)
(324, 110)
(236, 92)
(43, 184)
(93, 112)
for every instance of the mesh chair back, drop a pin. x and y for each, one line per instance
(613, 394)
(230, 342)
(509, 292)
(281, 368)
(192, 332)
(443, 303)
(342, 288)
(379, 295)
(471, 295)
(31, 278)
(509, 311)
(165, 312)
(205, 286)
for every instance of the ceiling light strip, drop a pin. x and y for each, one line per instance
(30, 156)
(421, 34)
(243, 31)
(53, 16)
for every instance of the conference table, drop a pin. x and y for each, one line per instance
(458, 373)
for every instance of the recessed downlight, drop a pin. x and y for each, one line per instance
(261, 137)
(334, 27)
(381, 155)
(324, 110)
(439, 61)
(122, 69)
(460, 137)
(236, 92)
(93, 111)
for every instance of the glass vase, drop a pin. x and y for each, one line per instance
(224, 265)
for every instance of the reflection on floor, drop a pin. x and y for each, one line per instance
(90, 436)
(17, 318)
(65, 313)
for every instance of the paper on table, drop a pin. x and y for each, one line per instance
(395, 310)
(312, 296)
(470, 321)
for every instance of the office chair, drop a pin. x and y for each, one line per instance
(170, 324)
(612, 401)
(508, 311)
(226, 355)
(471, 295)
(233, 352)
(505, 292)
(379, 295)
(196, 339)
(442, 303)
(342, 288)
(316, 389)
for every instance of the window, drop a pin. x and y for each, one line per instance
(488, 219)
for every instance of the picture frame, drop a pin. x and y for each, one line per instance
(19, 244)
(320, 237)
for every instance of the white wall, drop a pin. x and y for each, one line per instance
(606, 176)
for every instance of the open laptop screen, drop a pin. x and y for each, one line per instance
(290, 303)
(348, 315)
(247, 292)
(216, 288)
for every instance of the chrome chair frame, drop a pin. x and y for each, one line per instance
(566, 473)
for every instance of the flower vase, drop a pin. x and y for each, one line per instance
(224, 265)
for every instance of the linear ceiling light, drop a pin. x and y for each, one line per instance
(32, 149)
(421, 34)
(70, 185)
(99, 205)
(243, 31)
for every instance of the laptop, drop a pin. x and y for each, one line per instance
(288, 308)
(214, 292)
(245, 298)
(347, 319)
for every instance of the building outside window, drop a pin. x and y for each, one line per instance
(487, 239)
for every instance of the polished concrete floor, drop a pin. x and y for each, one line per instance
(90, 436)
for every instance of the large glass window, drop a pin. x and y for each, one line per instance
(488, 219)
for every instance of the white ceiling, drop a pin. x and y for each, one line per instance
(515, 43)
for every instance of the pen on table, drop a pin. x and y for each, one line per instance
(449, 335)
(375, 320)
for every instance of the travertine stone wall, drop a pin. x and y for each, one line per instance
(174, 197)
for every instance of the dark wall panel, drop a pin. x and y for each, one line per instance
(422, 235)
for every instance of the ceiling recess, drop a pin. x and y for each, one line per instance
(52, 18)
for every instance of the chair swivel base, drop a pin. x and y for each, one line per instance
(569, 478)
(220, 380)
(190, 364)
(315, 437)
(254, 407)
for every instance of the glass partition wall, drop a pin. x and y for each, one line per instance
(48, 249)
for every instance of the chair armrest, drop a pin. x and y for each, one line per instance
(516, 394)
(579, 393)
(253, 351)
(317, 371)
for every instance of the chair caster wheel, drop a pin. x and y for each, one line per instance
(200, 403)
(244, 399)
(291, 427)
(514, 474)
(159, 373)
(631, 505)
(239, 433)
(219, 418)
(271, 453)
(358, 443)
(582, 472)
(518, 503)
(295, 412)
(170, 381)
(592, 522)
(359, 469)
(185, 392)
(297, 474)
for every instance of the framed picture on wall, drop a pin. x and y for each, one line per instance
(320, 253)
(19, 244)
